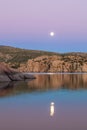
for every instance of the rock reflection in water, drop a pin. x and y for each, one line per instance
(56, 81)
(45, 82)
(12, 88)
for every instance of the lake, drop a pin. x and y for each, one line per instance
(49, 102)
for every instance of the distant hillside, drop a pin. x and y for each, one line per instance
(16, 56)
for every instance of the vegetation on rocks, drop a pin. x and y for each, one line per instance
(15, 56)
(42, 61)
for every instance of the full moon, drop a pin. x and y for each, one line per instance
(52, 34)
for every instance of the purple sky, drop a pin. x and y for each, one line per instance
(27, 24)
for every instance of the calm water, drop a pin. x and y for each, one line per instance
(50, 102)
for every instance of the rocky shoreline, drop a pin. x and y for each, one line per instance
(8, 74)
(54, 64)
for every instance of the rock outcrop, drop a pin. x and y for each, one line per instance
(9, 74)
(74, 63)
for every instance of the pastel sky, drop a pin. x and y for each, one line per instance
(27, 24)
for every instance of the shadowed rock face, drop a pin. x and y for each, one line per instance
(9, 74)
(5, 69)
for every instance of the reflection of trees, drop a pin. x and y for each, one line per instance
(43, 83)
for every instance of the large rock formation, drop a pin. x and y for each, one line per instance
(9, 74)
(74, 63)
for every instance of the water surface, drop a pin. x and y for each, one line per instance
(50, 102)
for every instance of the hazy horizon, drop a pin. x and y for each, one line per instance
(44, 50)
(27, 24)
